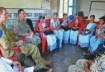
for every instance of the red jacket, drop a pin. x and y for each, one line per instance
(81, 23)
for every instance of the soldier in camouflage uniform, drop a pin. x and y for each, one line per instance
(22, 28)
(6, 41)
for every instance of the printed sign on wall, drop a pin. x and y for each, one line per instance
(46, 4)
(32, 14)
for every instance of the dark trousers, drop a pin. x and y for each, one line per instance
(25, 61)
(101, 48)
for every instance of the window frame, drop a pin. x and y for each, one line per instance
(74, 7)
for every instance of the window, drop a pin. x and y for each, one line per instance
(70, 2)
(70, 10)
(68, 6)
(72, 7)
(63, 8)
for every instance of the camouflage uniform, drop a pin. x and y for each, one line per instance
(28, 49)
(22, 28)
(97, 66)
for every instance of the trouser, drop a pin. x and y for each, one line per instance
(101, 48)
(25, 61)
(31, 49)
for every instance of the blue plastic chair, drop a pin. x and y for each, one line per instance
(71, 17)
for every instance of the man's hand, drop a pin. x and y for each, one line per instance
(16, 63)
(86, 64)
(19, 42)
(21, 69)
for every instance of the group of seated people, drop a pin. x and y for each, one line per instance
(87, 34)
(90, 37)
(29, 53)
(59, 31)
(84, 33)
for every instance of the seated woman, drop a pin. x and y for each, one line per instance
(55, 25)
(75, 25)
(65, 29)
(85, 35)
(96, 40)
(47, 33)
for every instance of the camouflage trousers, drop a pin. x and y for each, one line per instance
(31, 49)
(34, 40)
(78, 67)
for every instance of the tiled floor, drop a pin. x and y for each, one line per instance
(64, 57)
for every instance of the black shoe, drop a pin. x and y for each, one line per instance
(44, 70)
(41, 70)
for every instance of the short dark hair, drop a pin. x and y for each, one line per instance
(19, 11)
(41, 17)
(93, 16)
(1, 9)
(64, 14)
(80, 13)
(55, 13)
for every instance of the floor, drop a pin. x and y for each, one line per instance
(64, 57)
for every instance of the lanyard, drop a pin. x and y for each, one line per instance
(40, 26)
(55, 24)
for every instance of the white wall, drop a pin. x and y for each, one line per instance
(53, 7)
(20, 3)
(29, 4)
(85, 6)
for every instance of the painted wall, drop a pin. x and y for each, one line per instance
(29, 4)
(85, 6)
(32, 8)
(20, 3)
(53, 7)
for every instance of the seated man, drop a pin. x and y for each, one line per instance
(27, 64)
(23, 29)
(6, 41)
(90, 65)
(21, 60)
(22, 63)
(5, 65)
